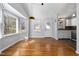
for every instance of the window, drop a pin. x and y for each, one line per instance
(37, 28)
(47, 26)
(9, 24)
(22, 23)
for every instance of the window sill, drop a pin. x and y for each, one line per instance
(7, 35)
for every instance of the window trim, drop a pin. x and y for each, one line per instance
(12, 15)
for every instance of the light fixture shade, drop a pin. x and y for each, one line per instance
(42, 3)
(31, 17)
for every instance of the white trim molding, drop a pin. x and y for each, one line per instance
(55, 37)
(77, 52)
(43, 37)
(37, 36)
(26, 37)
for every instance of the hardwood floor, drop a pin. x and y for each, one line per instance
(40, 47)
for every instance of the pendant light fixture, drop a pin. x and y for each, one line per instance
(42, 3)
(31, 18)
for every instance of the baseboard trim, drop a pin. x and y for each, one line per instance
(77, 52)
(43, 37)
(55, 38)
(64, 38)
(37, 37)
(26, 38)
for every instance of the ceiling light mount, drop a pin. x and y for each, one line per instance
(42, 3)
(74, 15)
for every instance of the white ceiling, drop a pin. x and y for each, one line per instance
(19, 8)
(47, 10)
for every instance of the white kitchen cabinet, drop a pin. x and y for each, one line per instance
(64, 34)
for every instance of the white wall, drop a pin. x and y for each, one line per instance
(51, 33)
(32, 32)
(54, 28)
(8, 40)
(74, 21)
(77, 46)
(48, 33)
(0, 21)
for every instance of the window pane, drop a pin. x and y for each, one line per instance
(47, 26)
(10, 25)
(37, 28)
(22, 25)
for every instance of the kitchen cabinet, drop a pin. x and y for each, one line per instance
(64, 34)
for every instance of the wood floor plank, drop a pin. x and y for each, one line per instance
(40, 47)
